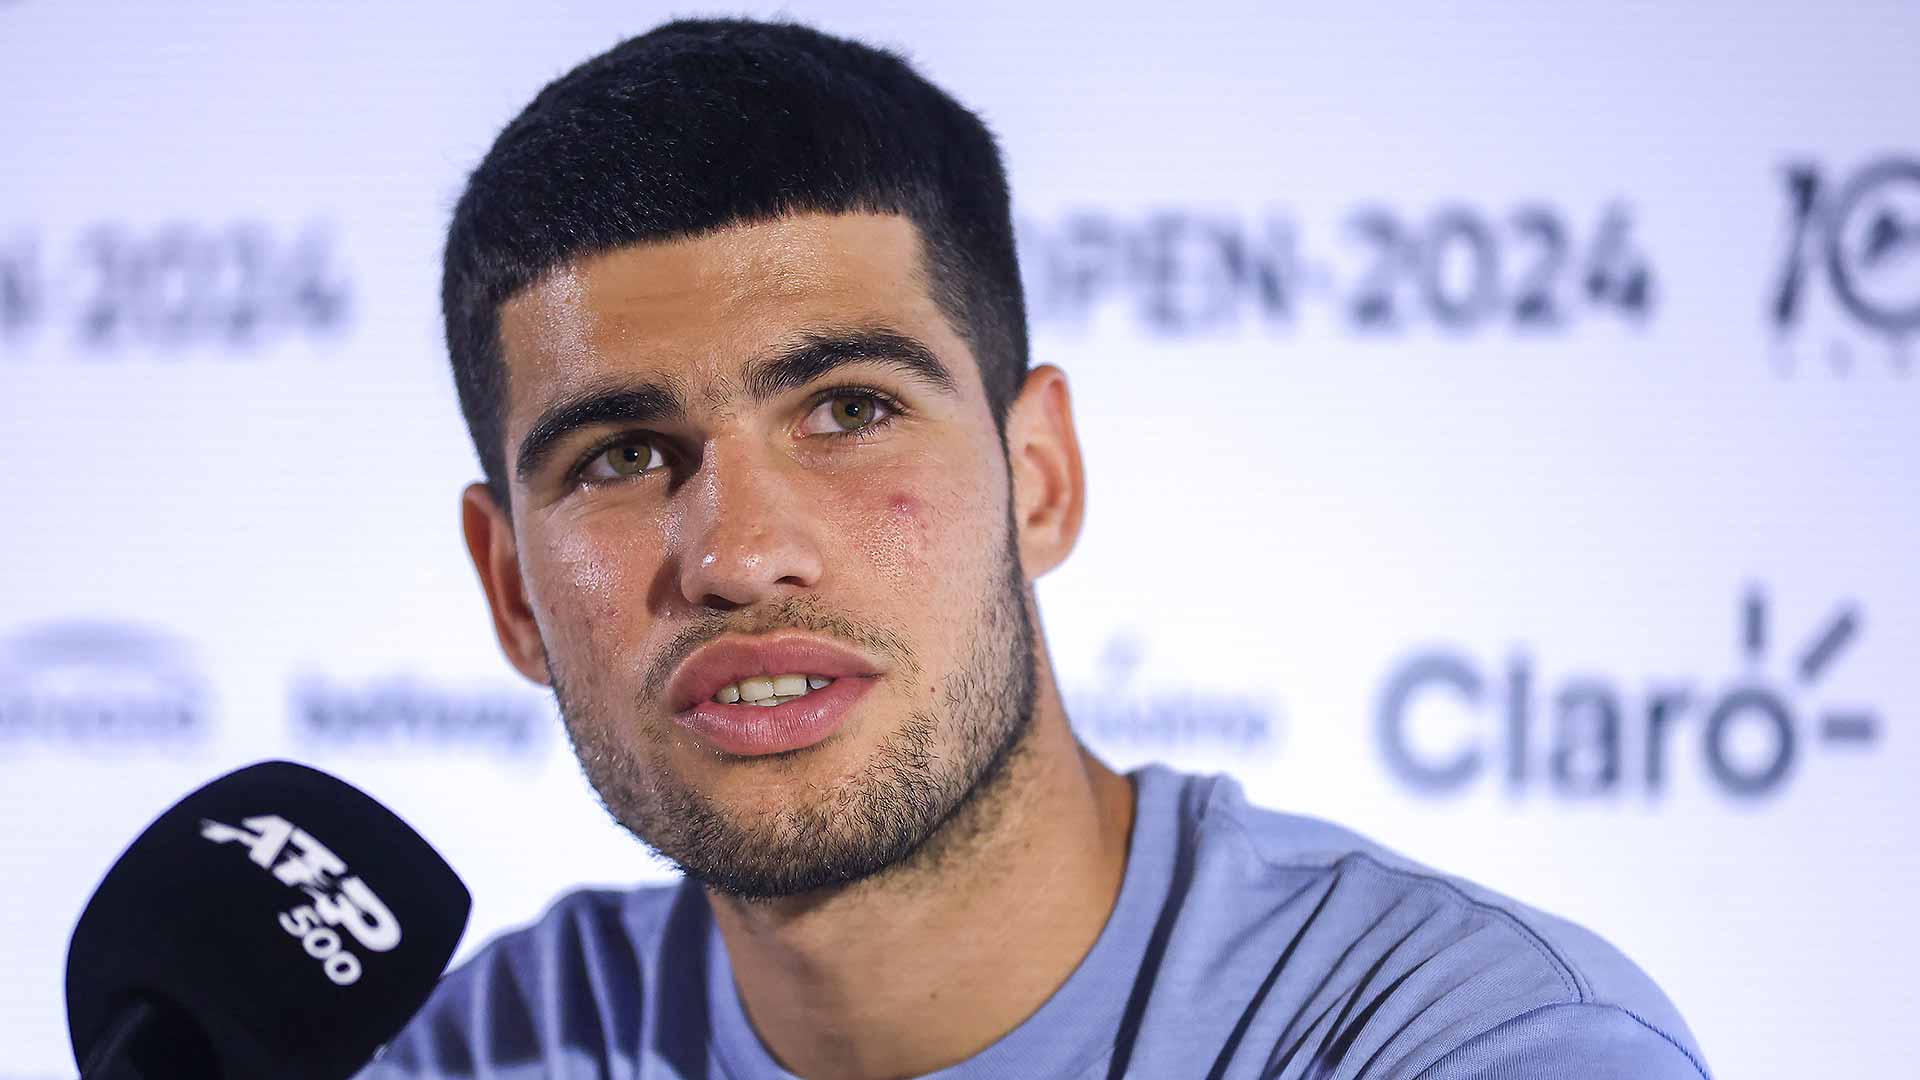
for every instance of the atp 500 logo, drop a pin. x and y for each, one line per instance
(339, 902)
(1596, 737)
(1854, 241)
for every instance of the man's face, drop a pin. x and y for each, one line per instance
(761, 453)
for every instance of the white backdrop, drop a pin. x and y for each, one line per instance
(1429, 360)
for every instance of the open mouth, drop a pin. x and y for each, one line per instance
(776, 722)
(769, 690)
(766, 694)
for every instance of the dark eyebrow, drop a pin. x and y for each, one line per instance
(817, 353)
(642, 403)
(785, 369)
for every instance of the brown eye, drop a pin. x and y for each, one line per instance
(633, 458)
(846, 412)
(852, 413)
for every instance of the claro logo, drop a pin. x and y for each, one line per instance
(1586, 735)
(339, 902)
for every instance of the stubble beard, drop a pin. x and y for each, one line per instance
(904, 796)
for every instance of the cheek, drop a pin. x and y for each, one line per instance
(591, 582)
(893, 532)
(920, 541)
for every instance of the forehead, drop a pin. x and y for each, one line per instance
(692, 311)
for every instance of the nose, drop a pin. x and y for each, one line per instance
(747, 535)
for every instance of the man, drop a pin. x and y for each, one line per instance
(737, 327)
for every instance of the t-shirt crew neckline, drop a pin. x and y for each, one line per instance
(1074, 1029)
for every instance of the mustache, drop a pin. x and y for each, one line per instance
(793, 613)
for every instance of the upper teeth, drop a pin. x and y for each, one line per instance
(769, 689)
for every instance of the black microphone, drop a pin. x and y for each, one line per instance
(277, 923)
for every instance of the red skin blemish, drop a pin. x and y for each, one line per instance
(895, 545)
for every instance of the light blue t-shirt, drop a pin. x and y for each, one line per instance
(1245, 943)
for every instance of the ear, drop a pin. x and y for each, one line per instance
(1049, 488)
(490, 542)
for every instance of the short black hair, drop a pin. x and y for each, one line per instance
(700, 124)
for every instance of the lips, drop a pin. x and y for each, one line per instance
(758, 729)
(730, 660)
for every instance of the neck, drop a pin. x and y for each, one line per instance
(931, 962)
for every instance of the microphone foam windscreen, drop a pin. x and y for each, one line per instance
(292, 921)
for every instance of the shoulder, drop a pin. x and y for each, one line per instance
(1445, 967)
(567, 984)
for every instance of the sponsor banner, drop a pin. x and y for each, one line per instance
(1499, 431)
(80, 688)
(1379, 271)
(1583, 735)
(110, 289)
(1847, 293)
(402, 715)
